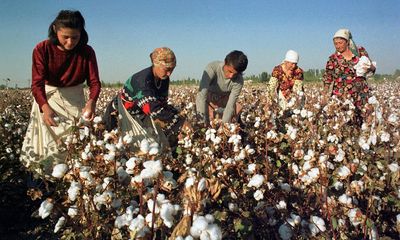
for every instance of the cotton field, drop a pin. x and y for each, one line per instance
(307, 173)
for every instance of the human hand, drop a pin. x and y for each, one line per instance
(49, 116)
(88, 112)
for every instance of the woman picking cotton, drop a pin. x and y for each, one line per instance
(60, 66)
(286, 81)
(141, 108)
(347, 69)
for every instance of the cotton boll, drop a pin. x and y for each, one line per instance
(281, 205)
(344, 199)
(232, 207)
(73, 211)
(150, 206)
(127, 138)
(214, 232)
(137, 224)
(97, 120)
(189, 182)
(199, 225)
(313, 173)
(59, 224)
(59, 170)
(393, 118)
(154, 151)
(338, 185)
(144, 146)
(136, 179)
(151, 169)
(74, 190)
(295, 168)
(108, 158)
(385, 137)
(188, 159)
(45, 208)
(121, 221)
(116, 203)
(131, 164)
(343, 172)
(251, 168)
(319, 223)
(296, 218)
(122, 174)
(306, 166)
(201, 186)
(285, 232)
(355, 216)
(394, 167)
(258, 195)
(285, 187)
(256, 181)
(166, 213)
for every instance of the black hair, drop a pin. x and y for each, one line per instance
(237, 60)
(68, 19)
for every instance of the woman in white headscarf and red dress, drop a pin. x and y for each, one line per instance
(286, 80)
(347, 69)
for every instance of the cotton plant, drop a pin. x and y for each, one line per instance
(324, 145)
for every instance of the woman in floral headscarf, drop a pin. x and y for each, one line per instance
(347, 69)
(286, 80)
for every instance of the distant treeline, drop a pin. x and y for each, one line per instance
(311, 75)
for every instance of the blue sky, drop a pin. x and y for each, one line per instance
(123, 33)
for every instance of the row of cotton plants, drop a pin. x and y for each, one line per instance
(302, 173)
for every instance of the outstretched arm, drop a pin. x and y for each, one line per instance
(201, 98)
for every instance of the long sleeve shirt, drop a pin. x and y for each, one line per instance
(143, 94)
(287, 84)
(52, 66)
(213, 81)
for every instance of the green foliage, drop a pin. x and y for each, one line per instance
(187, 81)
(263, 77)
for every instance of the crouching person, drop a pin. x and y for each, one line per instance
(141, 107)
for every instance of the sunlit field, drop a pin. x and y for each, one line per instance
(308, 173)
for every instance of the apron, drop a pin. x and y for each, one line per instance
(43, 145)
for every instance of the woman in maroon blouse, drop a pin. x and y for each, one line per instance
(60, 66)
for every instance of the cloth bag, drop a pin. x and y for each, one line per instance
(43, 145)
(139, 130)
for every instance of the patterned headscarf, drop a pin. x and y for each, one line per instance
(163, 56)
(346, 34)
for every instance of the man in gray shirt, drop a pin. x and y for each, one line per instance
(221, 85)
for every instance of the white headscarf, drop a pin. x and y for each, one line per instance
(346, 34)
(292, 56)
